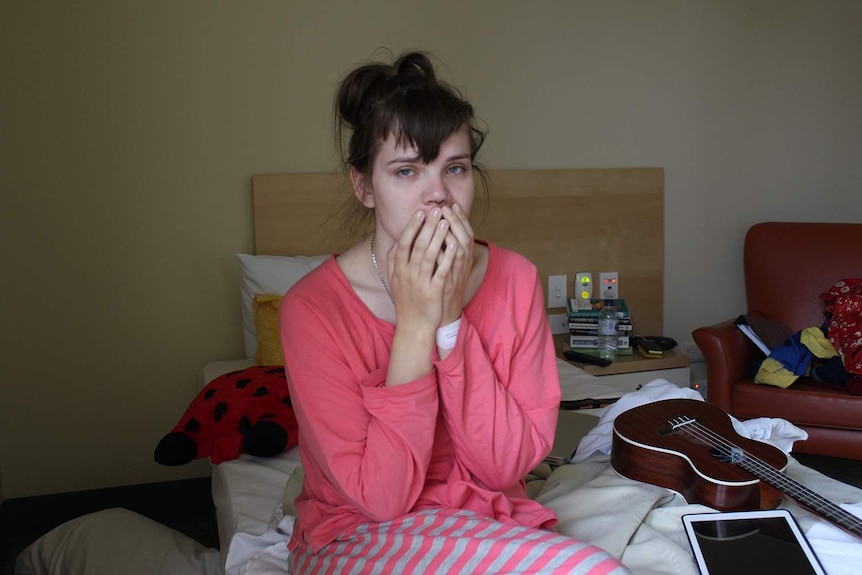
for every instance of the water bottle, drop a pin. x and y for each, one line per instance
(608, 334)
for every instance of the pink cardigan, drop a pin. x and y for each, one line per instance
(463, 436)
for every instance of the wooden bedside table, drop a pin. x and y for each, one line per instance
(630, 372)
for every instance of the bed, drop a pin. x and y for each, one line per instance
(557, 218)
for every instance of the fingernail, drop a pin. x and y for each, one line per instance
(419, 215)
(435, 212)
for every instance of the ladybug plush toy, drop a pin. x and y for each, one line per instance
(246, 411)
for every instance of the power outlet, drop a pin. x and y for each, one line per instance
(557, 291)
(609, 285)
(559, 323)
(693, 352)
(583, 285)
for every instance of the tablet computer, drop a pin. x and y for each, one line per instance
(756, 542)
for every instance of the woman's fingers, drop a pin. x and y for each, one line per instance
(460, 225)
(431, 263)
(435, 247)
(421, 249)
(404, 246)
(446, 259)
(417, 250)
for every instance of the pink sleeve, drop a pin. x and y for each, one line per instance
(501, 411)
(371, 443)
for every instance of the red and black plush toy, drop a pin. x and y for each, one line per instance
(246, 411)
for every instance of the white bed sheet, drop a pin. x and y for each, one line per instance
(576, 384)
(247, 493)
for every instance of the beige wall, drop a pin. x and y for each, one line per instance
(129, 132)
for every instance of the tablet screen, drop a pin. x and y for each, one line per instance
(756, 542)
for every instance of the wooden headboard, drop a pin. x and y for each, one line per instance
(565, 221)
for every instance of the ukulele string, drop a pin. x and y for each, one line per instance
(728, 449)
(789, 486)
(784, 483)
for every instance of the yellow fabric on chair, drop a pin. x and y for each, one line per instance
(773, 372)
(265, 307)
(817, 343)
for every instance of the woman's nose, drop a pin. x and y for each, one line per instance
(436, 193)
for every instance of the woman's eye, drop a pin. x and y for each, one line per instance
(404, 172)
(457, 169)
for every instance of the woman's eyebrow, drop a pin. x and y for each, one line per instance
(403, 159)
(412, 159)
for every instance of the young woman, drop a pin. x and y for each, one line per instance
(420, 361)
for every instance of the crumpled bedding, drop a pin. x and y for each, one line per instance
(637, 522)
(640, 523)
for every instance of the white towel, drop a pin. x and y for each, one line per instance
(773, 430)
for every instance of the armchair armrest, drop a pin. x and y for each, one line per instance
(729, 359)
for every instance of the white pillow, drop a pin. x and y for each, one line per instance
(116, 541)
(267, 275)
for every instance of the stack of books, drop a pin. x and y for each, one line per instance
(584, 325)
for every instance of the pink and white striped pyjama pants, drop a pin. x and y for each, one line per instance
(449, 541)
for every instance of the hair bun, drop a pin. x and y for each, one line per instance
(414, 69)
(367, 85)
(359, 90)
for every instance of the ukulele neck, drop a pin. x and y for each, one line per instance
(802, 495)
(763, 471)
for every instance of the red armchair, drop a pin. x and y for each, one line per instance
(787, 266)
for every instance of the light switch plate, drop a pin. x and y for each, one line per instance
(557, 291)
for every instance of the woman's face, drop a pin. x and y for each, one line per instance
(402, 184)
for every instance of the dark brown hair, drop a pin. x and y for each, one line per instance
(406, 100)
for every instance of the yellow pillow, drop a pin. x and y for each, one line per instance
(265, 308)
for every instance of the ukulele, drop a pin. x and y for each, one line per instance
(691, 447)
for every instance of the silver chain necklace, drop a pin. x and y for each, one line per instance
(377, 267)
